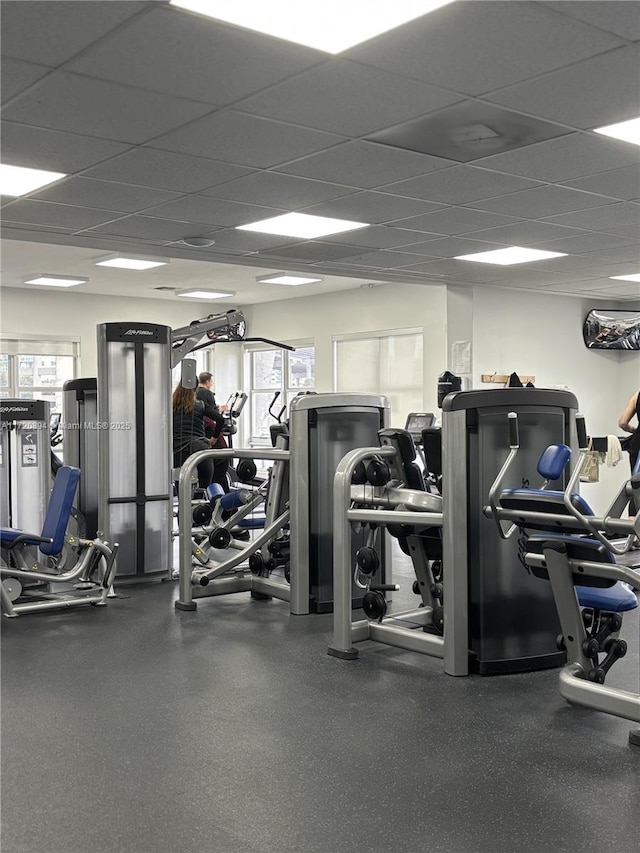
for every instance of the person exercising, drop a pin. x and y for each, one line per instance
(189, 432)
(213, 426)
(632, 411)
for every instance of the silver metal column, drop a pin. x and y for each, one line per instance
(135, 505)
(454, 544)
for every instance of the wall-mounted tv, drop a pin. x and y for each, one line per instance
(612, 329)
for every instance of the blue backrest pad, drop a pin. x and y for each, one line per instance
(59, 509)
(553, 461)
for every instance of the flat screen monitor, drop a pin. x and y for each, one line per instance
(417, 421)
(612, 329)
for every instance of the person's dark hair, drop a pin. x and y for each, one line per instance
(184, 399)
(205, 377)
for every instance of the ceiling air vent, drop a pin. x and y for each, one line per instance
(170, 289)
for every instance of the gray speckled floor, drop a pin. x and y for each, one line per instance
(135, 728)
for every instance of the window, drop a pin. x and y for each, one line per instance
(272, 371)
(388, 364)
(37, 369)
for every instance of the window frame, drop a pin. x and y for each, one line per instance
(287, 392)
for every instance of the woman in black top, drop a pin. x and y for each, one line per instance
(189, 431)
(632, 410)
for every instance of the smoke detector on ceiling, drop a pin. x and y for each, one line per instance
(197, 242)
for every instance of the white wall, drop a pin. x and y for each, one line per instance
(29, 313)
(541, 335)
(318, 319)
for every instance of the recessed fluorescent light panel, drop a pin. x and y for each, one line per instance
(206, 294)
(17, 180)
(283, 278)
(302, 225)
(510, 255)
(331, 26)
(128, 263)
(627, 131)
(56, 280)
(634, 277)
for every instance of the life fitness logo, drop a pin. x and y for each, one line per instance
(138, 332)
(6, 409)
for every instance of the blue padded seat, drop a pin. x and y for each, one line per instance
(547, 501)
(57, 517)
(599, 593)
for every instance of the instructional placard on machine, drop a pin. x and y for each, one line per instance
(29, 450)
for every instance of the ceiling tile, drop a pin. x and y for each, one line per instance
(363, 99)
(154, 168)
(364, 164)
(372, 207)
(541, 201)
(247, 241)
(630, 231)
(378, 237)
(246, 140)
(274, 189)
(459, 270)
(18, 75)
(198, 208)
(149, 228)
(191, 56)
(450, 247)
(386, 260)
(587, 242)
(459, 185)
(311, 251)
(618, 183)
(454, 220)
(592, 93)
(104, 195)
(526, 233)
(14, 230)
(602, 218)
(572, 156)
(616, 16)
(37, 148)
(450, 47)
(468, 131)
(619, 253)
(52, 33)
(77, 104)
(48, 213)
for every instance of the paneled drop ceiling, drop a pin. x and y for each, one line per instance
(467, 130)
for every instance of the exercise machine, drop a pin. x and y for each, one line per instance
(25, 464)
(509, 623)
(27, 586)
(564, 543)
(322, 427)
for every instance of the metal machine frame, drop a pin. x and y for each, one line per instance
(570, 525)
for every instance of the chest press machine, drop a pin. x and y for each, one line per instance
(564, 543)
